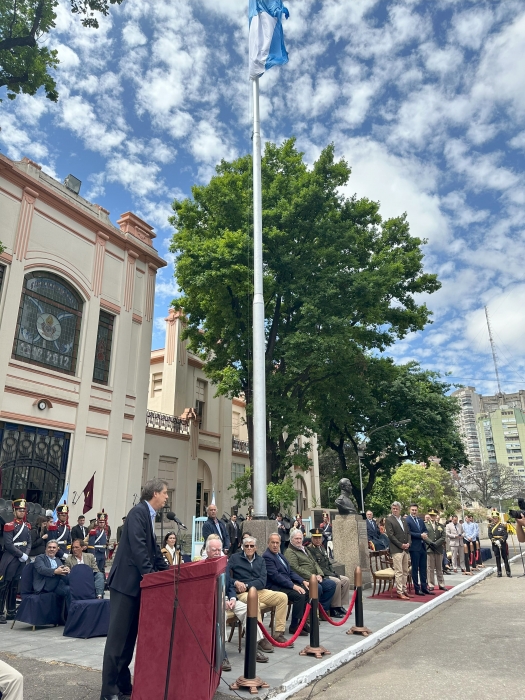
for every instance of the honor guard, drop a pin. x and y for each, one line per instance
(498, 535)
(98, 540)
(17, 545)
(60, 532)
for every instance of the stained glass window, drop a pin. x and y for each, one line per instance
(49, 319)
(103, 349)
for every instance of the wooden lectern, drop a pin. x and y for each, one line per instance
(197, 656)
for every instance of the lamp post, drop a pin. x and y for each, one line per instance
(361, 452)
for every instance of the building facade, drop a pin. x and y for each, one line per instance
(493, 428)
(198, 441)
(76, 312)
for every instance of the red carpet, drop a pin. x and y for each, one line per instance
(415, 599)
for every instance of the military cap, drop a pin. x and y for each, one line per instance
(64, 508)
(432, 512)
(316, 532)
(19, 504)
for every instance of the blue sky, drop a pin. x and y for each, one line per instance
(425, 100)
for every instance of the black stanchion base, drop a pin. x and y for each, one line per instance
(360, 630)
(252, 683)
(315, 651)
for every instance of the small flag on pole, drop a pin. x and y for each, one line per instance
(266, 39)
(88, 495)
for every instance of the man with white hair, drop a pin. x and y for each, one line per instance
(249, 569)
(239, 609)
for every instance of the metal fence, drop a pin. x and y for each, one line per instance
(163, 421)
(240, 446)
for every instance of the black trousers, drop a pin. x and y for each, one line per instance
(499, 553)
(120, 643)
(419, 569)
(298, 601)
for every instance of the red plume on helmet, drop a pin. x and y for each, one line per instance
(103, 516)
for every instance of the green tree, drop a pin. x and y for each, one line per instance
(25, 64)
(282, 494)
(242, 487)
(366, 397)
(425, 485)
(337, 279)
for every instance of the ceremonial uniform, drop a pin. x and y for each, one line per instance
(17, 545)
(341, 595)
(98, 542)
(60, 532)
(498, 535)
(435, 541)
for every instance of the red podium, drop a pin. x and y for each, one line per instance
(193, 672)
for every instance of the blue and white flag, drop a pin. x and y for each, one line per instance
(266, 42)
(64, 498)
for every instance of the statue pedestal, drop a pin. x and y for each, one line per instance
(351, 546)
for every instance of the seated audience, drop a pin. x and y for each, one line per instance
(78, 556)
(50, 575)
(171, 555)
(304, 565)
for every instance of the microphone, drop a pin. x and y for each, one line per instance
(171, 516)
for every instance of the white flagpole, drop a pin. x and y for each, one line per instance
(259, 340)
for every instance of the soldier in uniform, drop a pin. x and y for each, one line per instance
(60, 532)
(342, 583)
(17, 545)
(498, 535)
(98, 540)
(435, 542)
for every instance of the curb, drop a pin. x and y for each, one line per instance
(304, 679)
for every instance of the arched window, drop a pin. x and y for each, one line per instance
(48, 328)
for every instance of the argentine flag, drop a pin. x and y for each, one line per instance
(266, 42)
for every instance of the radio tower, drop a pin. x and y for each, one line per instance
(493, 348)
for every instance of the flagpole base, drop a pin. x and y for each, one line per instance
(360, 630)
(251, 683)
(314, 651)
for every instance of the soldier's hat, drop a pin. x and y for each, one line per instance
(102, 516)
(432, 512)
(316, 532)
(19, 504)
(494, 514)
(64, 508)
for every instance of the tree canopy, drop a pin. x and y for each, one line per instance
(339, 281)
(366, 397)
(491, 484)
(25, 63)
(427, 486)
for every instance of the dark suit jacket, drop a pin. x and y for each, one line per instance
(418, 543)
(44, 577)
(209, 529)
(397, 535)
(372, 529)
(76, 533)
(279, 575)
(138, 553)
(234, 533)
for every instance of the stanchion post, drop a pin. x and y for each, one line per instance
(314, 647)
(359, 627)
(250, 679)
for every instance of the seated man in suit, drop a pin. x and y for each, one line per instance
(50, 575)
(280, 577)
(78, 556)
(213, 526)
(304, 565)
(375, 536)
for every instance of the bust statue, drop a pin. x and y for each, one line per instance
(344, 502)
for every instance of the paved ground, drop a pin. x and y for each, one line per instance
(45, 656)
(469, 648)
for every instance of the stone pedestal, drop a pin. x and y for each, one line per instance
(351, 545)
(261, 530)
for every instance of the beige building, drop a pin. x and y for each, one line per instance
(82, 392)
(76, 312)
(197, 441)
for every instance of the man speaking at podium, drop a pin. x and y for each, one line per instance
(138, 554)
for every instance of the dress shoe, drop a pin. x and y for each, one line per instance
(427, 591)
(408, 595)
(509, 574)
(419, 593)
(442, 588)
(264, 645)
(226, 665)
(500, 574)
(402, 596)
(334, 612)
(261, 658)
(3, 620)
(293, 630)
(342, 611)
(306, 628)
(279, 637)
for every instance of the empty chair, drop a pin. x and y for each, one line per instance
(88, 615)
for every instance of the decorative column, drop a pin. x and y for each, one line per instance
(171, 332)
(150, 291)
(193, 421)
(130, 280)
(24, 223)
(98, 265)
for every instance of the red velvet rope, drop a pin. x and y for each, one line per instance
(290, 641)
(345, 618)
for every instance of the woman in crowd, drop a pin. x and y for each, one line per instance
(39, 537)
(168, 549)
